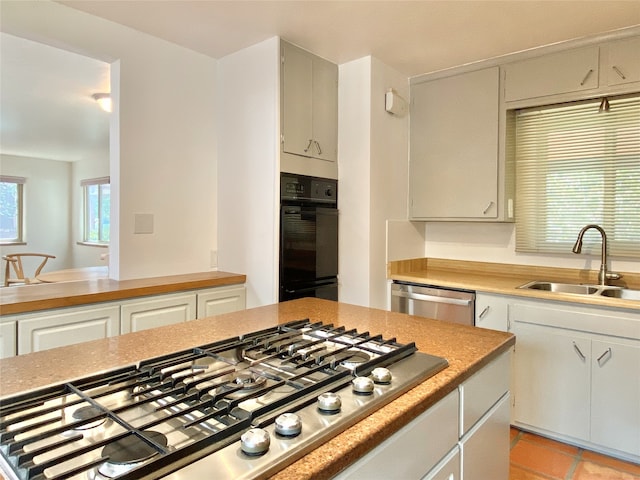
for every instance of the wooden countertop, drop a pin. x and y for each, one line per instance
(505, 279)
(30, 298)
(466, 348)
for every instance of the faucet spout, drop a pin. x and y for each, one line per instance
(603, 275)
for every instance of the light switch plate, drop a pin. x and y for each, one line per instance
(142, 223)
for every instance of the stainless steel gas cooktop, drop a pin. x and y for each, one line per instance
(244, 407)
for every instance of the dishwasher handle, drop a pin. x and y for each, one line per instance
(431, 298)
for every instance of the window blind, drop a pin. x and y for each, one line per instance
(577, 166)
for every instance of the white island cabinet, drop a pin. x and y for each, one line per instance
(464, 436)
(8, 337)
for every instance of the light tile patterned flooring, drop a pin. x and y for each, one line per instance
(538, 458)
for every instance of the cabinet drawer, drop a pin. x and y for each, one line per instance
(483, 390)
(158, 312)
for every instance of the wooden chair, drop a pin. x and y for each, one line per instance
(14, 263)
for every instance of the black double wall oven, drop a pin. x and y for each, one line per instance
(308, 237)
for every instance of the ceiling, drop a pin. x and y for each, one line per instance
(46, 104)
(414, 37)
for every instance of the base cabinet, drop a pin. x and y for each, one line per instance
(221, 300)
(157, 312)
(67, 326)
(572, 380)
(8, 338)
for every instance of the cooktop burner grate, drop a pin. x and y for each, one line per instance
(178, 408)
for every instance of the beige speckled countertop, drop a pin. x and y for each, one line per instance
(31, 298)
(506, 278)
(466, 348)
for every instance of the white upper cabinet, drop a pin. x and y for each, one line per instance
(309, 105)
(454, 162)
(558, 73)
(623, 61)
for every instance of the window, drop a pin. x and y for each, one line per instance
(97, 208)
(11, 209)
(577, 166)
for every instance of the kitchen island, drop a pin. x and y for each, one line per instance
(467, 350)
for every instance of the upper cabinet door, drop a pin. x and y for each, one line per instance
(310, 104)
(453, 169)
(325, 109)
(623, 65)
(297, 118)
(564, 72)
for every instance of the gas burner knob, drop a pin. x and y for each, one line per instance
(381, 375)
(255, 441)
(288, 424)
(362, 385)
(329, 402)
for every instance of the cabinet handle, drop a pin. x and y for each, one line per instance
(318, 147)
(604, 358)
(484, 212)
(309, 145)
(484, 312)
(617, 70)
(579, 352)
(584, 80)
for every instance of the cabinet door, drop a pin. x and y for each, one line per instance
(623, 63)
(485, 451)
(453, 169)
(413, 451)
(552, 375)
(297, 101)
(157, 312)
(448, 468)
(492, 312)
(564, 72)
(67, 327)
(7, 339)
(615, 396)
(325, 109)
(221, 300)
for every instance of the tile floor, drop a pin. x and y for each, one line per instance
(539, 458)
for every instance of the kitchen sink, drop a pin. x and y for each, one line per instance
(582, 289)
(624, 293)
(575, 288)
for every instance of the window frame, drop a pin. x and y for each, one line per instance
(20, 213)
(86, 210)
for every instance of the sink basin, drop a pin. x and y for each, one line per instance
(574, 288)
(624, 293)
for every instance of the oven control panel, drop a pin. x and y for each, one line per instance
(305, 189)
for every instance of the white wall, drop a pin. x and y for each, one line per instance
(248, 168)
(163, 161)
(47, 208)
(495, 242)
(372, 172)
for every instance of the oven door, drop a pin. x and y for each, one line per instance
(308, 246)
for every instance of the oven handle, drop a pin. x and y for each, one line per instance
(432, 298)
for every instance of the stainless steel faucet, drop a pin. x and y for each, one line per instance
(603, 275)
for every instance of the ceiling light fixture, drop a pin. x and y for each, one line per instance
(104, 100)
(604, 105)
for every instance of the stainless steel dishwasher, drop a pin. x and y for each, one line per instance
(451, 305)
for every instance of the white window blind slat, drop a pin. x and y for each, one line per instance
(576, 166)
